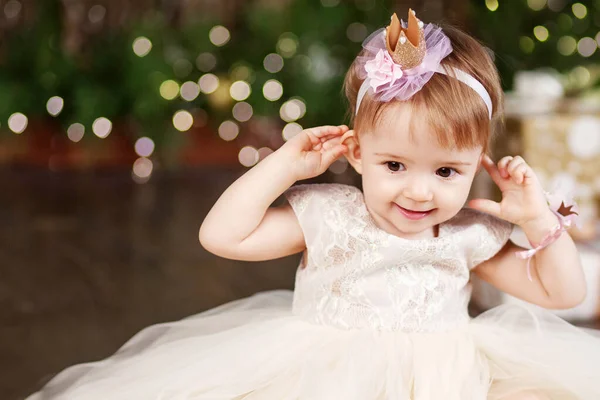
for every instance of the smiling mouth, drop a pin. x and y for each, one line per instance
(414, 215)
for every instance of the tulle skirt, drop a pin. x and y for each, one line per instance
(255, 348)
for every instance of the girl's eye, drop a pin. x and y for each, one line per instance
(394, 166)
(446, 172)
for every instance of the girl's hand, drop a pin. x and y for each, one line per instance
(313, 150)
(523, 200)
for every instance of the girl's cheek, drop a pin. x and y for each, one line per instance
(456, 195)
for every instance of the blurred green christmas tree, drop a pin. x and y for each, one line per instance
(530, 34)
(270, 69)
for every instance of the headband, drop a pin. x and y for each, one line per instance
(402, 58)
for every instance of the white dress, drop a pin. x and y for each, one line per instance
(373, 317)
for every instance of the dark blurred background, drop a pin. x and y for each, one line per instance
(122, 121)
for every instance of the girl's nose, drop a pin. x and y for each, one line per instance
(418, 190)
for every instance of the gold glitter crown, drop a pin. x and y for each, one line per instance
(406, 45)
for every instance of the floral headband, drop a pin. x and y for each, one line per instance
(403, 57)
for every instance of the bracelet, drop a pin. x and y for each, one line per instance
(550, 238)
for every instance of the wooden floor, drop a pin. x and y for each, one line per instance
(89, 259)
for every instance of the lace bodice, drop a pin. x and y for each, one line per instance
(354, 275)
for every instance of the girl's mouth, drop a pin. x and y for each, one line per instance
(414, 215)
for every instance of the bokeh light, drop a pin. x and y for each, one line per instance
(183, 120)
(208, 83)
(301, 104)
(169, 89)
(102, 127)
(12, 9)
(579, 10)
(206, 62)
(248, 156)
(228, 130)
(272, 90)
(189, 91)
(587, 46)
(219, 35)
(287, 45)
(96, 13)
(182, 68)
(242, 111)
(289, 111)
(273, 62)
(556, 5)
(491, 5)
(17, 122)
(55, 105)
(242, 73)
(144, 147)
(526, 44)
(75, 132)
(292, 110)
(142, 167)
(581, 75)
(142, 46)
(541, 33)
(356, 32)
(565, 22)
(303, 62)
(239, 90)
(536, 5)
(566, 45)
(290, 130)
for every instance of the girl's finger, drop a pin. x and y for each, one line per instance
(516, 174)
(514, 165)
(330, 143)
(491, 169)
(521, 173)
(502, 166)
(327, 130)
(346, 135)
(333, 154)
(487, 206)
(318, 135)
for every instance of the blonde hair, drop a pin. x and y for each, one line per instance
(453, 111)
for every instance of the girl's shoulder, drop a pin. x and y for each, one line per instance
(476, 222)
(483, 235)
(323, 195)
(326, 209)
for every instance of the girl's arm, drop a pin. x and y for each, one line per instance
(242, 225)
(558, 279)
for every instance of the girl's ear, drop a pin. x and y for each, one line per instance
(353, 153)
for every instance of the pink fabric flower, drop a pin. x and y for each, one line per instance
(382, 70)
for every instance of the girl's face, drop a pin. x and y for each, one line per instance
(410, 182)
